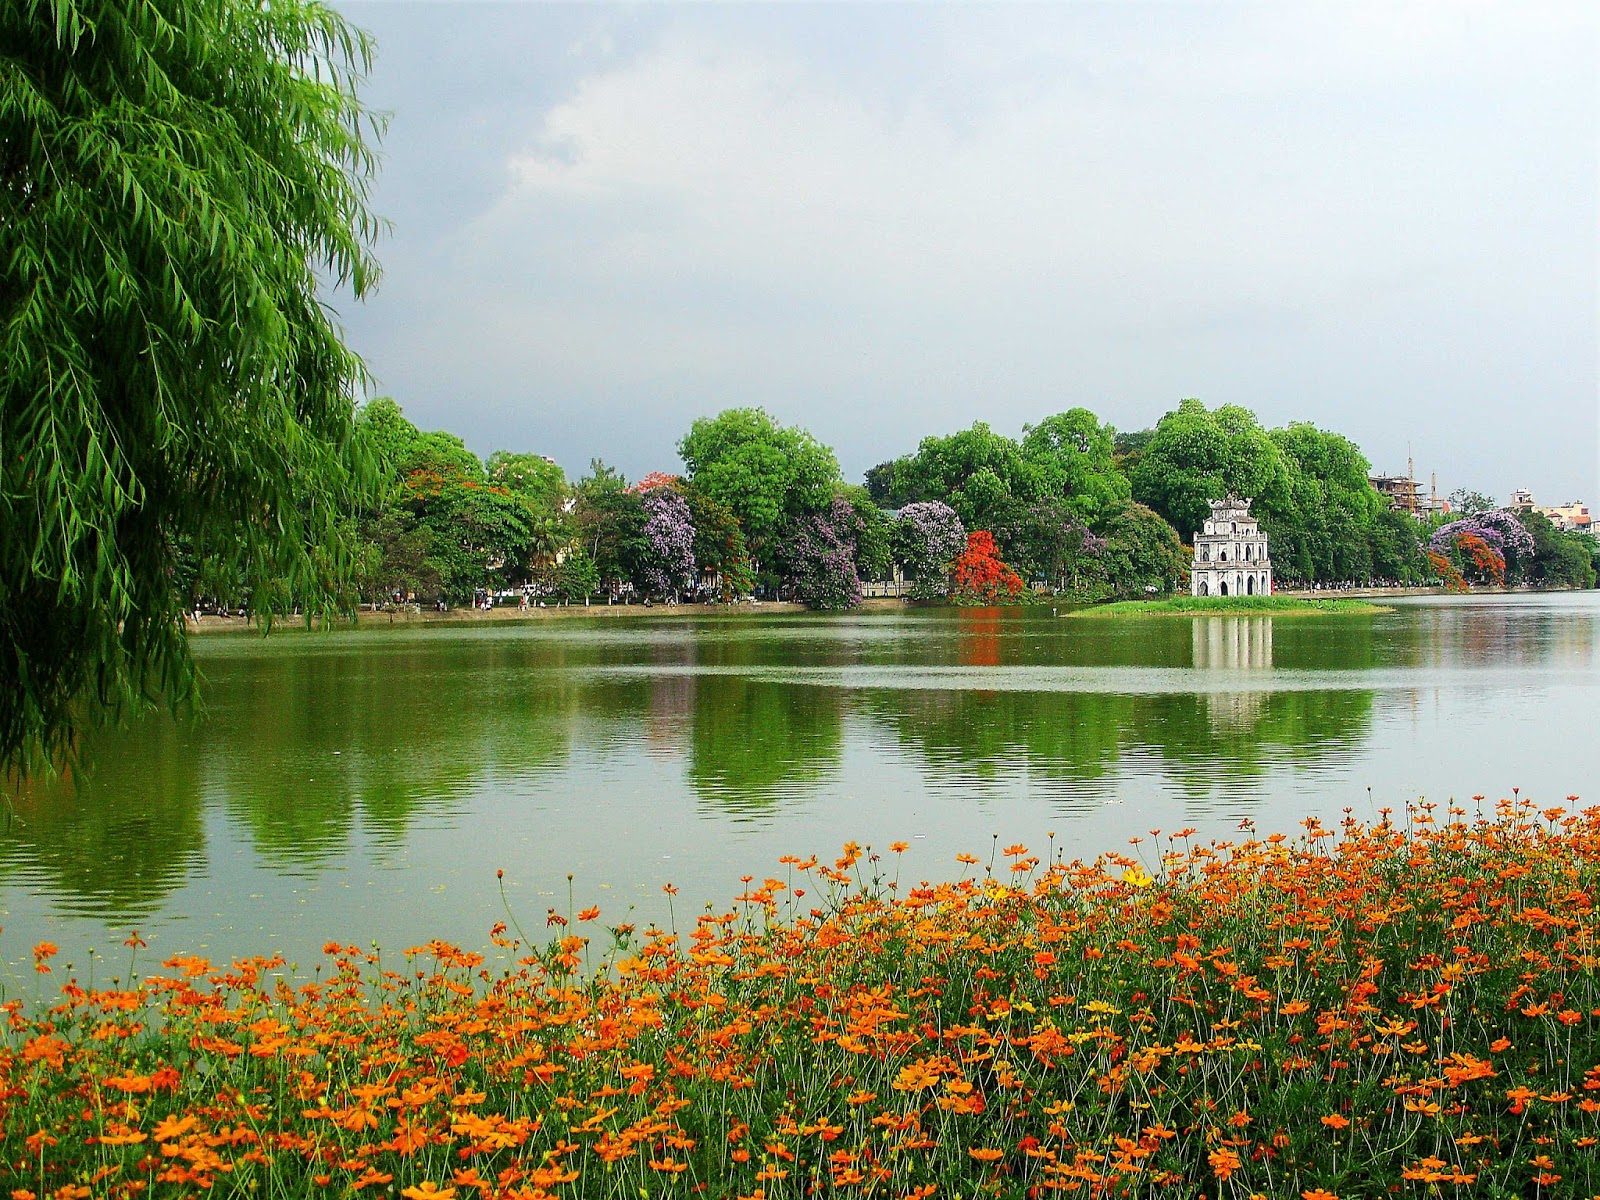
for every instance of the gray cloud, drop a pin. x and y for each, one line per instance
(885, 221)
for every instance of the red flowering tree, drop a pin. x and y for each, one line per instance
(1446, 570)
(1487, 562)
(981, 574)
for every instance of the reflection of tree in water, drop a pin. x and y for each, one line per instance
(1213, 740)
(303, 744)
(118, 846)
(756, 744)
(1212, 737)
(983, 735)
(979, 637)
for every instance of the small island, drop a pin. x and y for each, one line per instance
(1224, 606)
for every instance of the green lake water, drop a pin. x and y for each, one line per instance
(367, 785)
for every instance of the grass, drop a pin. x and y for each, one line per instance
(1187, 606)
(1409, 1007)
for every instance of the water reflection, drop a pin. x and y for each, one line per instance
(1231, 643)
(755, 744)
(323, 755)
(122, 845)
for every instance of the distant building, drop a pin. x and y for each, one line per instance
(1405, 495)
(1399, 490)
(1571, 516)
(1230, 554)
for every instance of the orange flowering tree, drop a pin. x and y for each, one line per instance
(981, 574)
(1487, 562)
(1446, 570)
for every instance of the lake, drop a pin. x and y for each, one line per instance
(367, 785)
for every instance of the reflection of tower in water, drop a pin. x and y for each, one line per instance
(669, 716)
(1233, 644)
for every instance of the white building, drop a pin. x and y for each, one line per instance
(1230, 554)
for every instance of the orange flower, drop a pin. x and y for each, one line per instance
(1224, 1162)
(121, 1136)
(428, 1190)
(172, 1126)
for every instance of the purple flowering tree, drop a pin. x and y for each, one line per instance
(1048, 542)
(1499, 527)
(669, 542)
(820, 551)
(927, 536)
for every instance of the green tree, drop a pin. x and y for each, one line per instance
(880, 483)
(1464, 502)
(1130, 448)
(179, 183)
(532, 477)
(1326, 530)
(436, 452)
(387, 435)
(608, 523)
(719, 546)
(400, 559)
(1196, 456)
(479, 536)
(1560, 559)
(978, 472)
(1072, 456)
(1398, 547)
(1047, 542)
(765, 473)
(1142, 554)
(576, 577)
(874, 555)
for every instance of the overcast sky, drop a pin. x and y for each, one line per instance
(884, 221)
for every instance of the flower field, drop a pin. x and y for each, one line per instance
(1405, 1008)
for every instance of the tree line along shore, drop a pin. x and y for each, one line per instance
(1072, 510)
(183, 435)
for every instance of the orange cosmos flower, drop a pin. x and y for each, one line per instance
(1224, 1162)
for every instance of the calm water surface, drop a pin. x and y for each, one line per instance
(367, 785)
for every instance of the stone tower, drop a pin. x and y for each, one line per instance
(1230, 554)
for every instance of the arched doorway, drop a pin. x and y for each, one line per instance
(1222, 588)
(1250, 586)
(1203, 588)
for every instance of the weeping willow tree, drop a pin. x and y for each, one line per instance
(181, 182)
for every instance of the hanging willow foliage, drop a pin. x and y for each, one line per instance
(179, 182)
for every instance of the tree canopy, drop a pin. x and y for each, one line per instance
(764, 472)
(179, 184)
(1197, 455)
(1072, 456)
